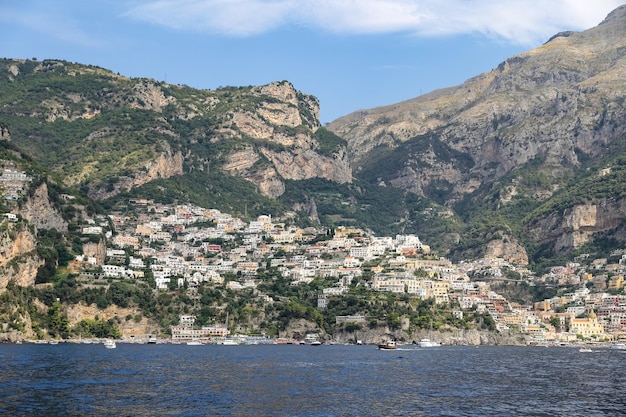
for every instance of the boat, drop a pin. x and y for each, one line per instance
(618, 346)
(195, 343)
(426, 343)
(230, 342)
(388, 345)
(109, 344)
(585, 349)
(316, 343)
(53, 342)
(152, 339)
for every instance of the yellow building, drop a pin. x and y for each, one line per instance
(587, 327)
(616, 282)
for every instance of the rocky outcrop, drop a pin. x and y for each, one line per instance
(18, 258)
(96, 250)
(165, 166)
(282, 127)
(573, 227)
(129, 321)
(276, 127)
(40, 212)
(4, 132)
(148, 95)
(303, 163)
(507, 248)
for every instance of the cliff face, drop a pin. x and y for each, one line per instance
(573, 227)
(292, 153)
(41, 213)
(507, 248)
(18, 258)
(289, 153)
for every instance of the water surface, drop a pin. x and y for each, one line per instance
(292, 380)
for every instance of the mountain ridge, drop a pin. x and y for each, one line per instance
(524, 129)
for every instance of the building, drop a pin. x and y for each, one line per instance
(587, 327)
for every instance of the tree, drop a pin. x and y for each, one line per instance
(554, 321)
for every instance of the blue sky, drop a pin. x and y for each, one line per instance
(351, 54)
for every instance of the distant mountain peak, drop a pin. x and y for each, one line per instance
(616, 15)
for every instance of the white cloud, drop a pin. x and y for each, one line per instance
(516, 21)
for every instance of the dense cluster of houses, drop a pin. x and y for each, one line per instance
(187, 245)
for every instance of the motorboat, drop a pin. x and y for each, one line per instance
(195, 343)
(388, 345)
(109, 344)
(426, 343)
(585, 349)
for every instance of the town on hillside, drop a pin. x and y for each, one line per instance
(185, 245)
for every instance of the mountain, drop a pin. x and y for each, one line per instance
(528, 153)
(106, 134)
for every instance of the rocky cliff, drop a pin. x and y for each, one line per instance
(39, 211)
(18, 257)
(573, 227)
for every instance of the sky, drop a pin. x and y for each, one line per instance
(350, 54)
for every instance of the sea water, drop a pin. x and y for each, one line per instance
(293, 380)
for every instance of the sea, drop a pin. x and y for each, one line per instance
(71, 379)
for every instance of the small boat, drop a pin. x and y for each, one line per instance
(584, 349)
(618, 346)
(195, 343)
(388, 345)
(110, 344)
(426, 343)
(53, 342)
(230, 342)
(152, 340)
(316, 343)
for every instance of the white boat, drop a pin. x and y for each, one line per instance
(427, 343)
(316, 343)
(195, 343)
(618, 346)
(230, 342)
(53, 342)
(584, 349)
(110, 344)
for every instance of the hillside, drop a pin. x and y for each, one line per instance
(507, 150)
(105, 134)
